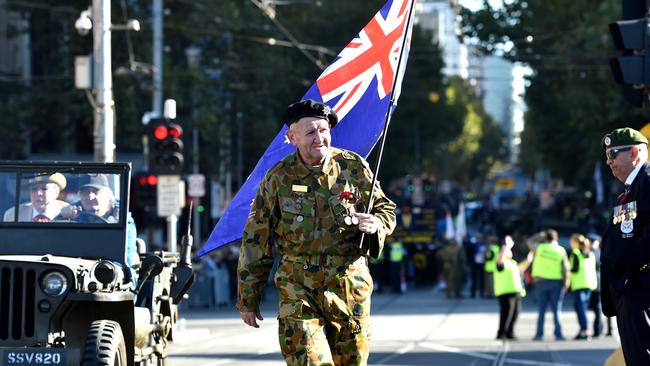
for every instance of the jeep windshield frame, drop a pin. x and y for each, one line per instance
(84, 214)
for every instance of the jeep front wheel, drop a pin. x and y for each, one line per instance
(104, 345)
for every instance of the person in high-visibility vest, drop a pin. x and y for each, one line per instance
(490, 265)
(583, 279)
(551, 277)
(396, 260)
(509, 288)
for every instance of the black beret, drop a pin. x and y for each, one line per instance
(623, 136)
(309, 108)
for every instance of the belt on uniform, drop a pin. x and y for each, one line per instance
(325, 260)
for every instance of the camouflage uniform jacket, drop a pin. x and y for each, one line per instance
(301, 211)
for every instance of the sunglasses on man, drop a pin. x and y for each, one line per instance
(611, 154)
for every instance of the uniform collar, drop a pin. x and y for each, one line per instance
(633, 174)
(303, 170)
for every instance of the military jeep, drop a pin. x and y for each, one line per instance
(74, 290)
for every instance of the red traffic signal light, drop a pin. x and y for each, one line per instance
(160, 132)
(143, 194)
(147, 180)
(165, 147)
(175, 130)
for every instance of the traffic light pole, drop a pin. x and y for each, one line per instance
(172, 224)
(195, 163)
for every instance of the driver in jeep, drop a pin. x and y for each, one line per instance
(96, 202)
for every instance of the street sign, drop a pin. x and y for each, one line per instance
(170, 195)
(196, 185)
(504, 183)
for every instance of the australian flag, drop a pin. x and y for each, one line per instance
(358, 85)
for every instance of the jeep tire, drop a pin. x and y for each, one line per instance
(104, 345)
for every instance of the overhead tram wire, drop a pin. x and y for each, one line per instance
(288, 34)
(256, 39)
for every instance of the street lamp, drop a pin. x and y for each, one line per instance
(83, 24)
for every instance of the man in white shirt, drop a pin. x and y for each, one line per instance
(44, 204)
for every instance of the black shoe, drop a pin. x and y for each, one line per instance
(581, 337)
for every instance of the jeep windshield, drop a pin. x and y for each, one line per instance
(72, 209)
(60, 196)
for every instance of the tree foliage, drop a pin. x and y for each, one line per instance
(571, 96)
(230, 66)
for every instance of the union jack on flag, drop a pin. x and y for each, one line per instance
(358, 85)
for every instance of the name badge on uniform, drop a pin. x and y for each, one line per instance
(299, 188)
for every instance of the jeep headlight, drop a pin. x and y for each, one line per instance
(54, 283)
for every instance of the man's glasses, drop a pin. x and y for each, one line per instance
(611, 154)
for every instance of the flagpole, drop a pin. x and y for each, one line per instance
(388, 114)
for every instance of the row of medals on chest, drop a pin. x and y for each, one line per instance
(348, 215)
(625, 212)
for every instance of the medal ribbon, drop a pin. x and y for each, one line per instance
(623, 195)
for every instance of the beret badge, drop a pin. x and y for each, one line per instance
(607, 141)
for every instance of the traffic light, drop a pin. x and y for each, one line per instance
(144, 190)
(632, 68)
(165, 146)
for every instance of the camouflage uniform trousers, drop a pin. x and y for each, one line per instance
(324, 310)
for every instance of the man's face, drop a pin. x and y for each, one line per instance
(42, 194)
(621, 160)
(311, 135)
(95, 201)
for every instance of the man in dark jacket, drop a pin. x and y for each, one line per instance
(625, 275)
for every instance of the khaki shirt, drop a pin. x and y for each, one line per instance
(301, 211)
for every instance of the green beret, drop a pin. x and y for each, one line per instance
(310, 108)
(623, 136)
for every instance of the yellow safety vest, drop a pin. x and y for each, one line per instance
(586, 277)
(396, 252)
(491, 258)
(508, 281)
(547, 263)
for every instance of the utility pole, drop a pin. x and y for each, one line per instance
(158, 57)
(104, 116)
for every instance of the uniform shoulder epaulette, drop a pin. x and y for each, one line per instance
(269, 173)
(351, 155)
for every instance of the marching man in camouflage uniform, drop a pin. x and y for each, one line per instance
(309, 210)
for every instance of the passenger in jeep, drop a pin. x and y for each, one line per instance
(43, 205)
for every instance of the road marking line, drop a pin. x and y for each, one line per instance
(217, 363)
(486, 356)
(440, 347)
(409, 347)
(501, 358)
